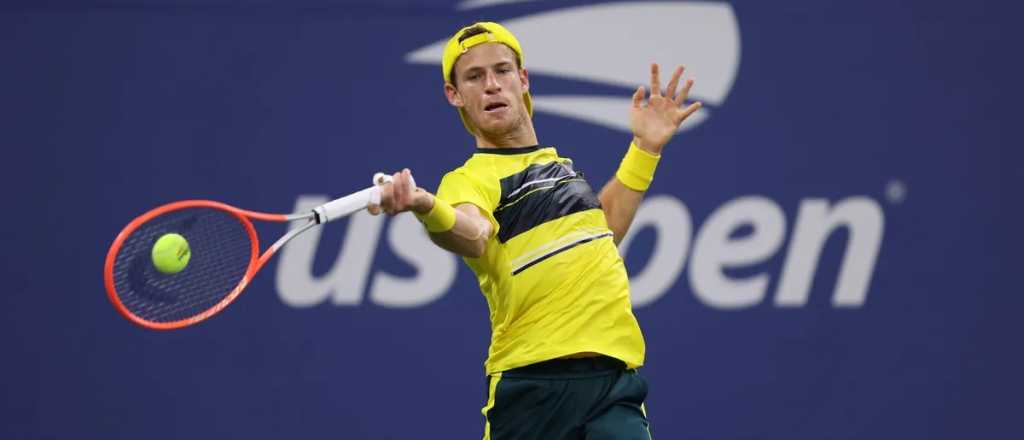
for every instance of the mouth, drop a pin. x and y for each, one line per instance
(496, 106)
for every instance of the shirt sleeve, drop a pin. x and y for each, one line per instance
(458, 187)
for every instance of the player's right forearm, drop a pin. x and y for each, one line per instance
(467, 236)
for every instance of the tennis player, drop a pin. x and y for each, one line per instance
(565, 345)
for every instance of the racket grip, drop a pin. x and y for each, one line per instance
(354, 202)
(344, 206)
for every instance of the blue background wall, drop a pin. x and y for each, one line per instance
(110, 108)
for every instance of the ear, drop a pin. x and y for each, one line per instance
(454, 98)
(524, 78)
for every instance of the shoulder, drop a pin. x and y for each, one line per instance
(470, 176)
(461, 175)
(477, 168)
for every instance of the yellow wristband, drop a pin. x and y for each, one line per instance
(440, 218)
(637, 169)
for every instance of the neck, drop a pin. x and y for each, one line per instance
(520, 137)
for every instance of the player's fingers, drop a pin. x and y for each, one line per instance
(406, 190)
(638, 97)
(685, 92)
(674, 82)
(387, 197)
(398, 188)
(376, 205)
(655, 81)
(689, 111)
(410, 184)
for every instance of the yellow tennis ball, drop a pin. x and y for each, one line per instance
(171, 253)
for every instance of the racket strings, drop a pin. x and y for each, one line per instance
(221, 252)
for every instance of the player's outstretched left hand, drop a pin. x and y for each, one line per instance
(655, 123)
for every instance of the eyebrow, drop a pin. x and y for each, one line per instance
(495, 65)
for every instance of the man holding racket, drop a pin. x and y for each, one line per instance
(564, 342)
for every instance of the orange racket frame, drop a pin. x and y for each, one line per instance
(327, 212)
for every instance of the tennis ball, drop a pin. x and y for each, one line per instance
(171, 253)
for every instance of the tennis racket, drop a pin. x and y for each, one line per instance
(223, 256)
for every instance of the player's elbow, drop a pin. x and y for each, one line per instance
(475, 249)
(468, 250)
(463, 248)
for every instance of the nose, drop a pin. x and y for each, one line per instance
(491, 84)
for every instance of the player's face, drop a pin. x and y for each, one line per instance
(489, 87)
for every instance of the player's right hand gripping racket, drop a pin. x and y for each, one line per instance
(212, 265)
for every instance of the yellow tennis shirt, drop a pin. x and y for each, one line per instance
(552, 275)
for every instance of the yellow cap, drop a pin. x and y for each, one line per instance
(496, 33)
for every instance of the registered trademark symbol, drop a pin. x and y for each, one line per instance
(896, 191)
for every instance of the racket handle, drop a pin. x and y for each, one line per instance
(344, 206)
(354, 202)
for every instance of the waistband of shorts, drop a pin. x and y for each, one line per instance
(585, 365)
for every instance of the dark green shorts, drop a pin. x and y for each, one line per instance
(589, 398)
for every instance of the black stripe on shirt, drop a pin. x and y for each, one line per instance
(519, 184)
(558, 251)
(539, 194)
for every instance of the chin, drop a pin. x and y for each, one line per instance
(500, 128)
